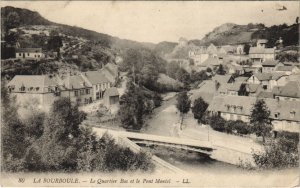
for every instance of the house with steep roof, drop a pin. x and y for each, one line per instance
(212, 49)
(288, 70)
(269, 65)
(79, 89)
(29, 53)
(266, 80)
(288, 92)
(242, 79)
(39, 90)
(222, 79)
(211, 62)
(235, 69)
(260, 53)
(284, 115)
(253, 89)
(206, 90)
(198, 55)
(232, 107)
(99, 82)
(230, 88)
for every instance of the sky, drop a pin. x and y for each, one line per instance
(159, 21)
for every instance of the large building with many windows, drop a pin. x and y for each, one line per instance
(40, 90)
(285, 115)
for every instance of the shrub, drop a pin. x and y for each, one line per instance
(238, 126)
(199, 108)
(278, 154)
(217, 123)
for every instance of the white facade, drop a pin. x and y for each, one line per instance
(29, 55)
(284, 125)
(234, 117)
(198, 58)
(98, 90)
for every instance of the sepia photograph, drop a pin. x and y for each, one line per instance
(150, 93)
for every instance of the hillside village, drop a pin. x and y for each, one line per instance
(136, 88)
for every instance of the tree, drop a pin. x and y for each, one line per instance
(217, 123)
(54, 43)
(59, 143)
(12, 133)
(198, 76)
(199, 109)
(260, 119)
(132, 107)
(172, 68)
(246, 48)
(284, 56)
(281, 152)
(243, 90)
(183, 76)
(12, 21)
(208, 69)
(183, 102)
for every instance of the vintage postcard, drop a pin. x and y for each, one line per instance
(150, 93)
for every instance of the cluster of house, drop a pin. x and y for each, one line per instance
(233, 98)
(204, 55)
(201, 53)
(82, 88)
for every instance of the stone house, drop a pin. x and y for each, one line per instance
(288, 92)
(99, 83)
(260, 53)
(79, 89)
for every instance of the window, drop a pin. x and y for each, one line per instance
(22, 88)
(292, 114)
(27, 54)
(265, 86)
(233, 108)
(20, 54)
(82, 92)
(87, 91)
(37, 88)
(76, 93)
